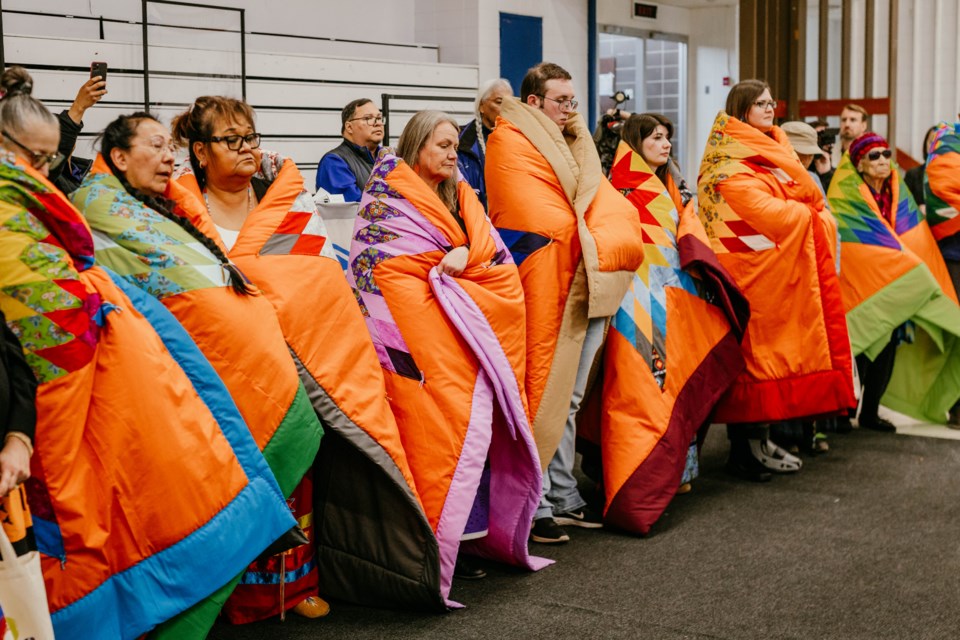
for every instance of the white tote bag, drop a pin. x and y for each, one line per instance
(22, 594)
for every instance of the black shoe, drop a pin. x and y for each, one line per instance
(584, 517)
(547, 531)
(466, 570)
(748, 468)
(879, 424)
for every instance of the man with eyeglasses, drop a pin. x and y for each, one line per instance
(345, 169)
(577, 243)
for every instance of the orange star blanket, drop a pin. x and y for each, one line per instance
(766, 221)
(671, 352)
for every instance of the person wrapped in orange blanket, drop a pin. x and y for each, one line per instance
(373, 542)
(144, 468)
(673, 346)
(766, 220)
(443, 303)
(577, 243)
(892, 273)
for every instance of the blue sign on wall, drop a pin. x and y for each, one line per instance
(521, 46)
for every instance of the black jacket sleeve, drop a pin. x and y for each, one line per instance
(18, 395)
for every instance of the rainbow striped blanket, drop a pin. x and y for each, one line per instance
(891, 272)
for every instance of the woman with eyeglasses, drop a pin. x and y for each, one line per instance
(147, 238)
(892, 272)
(768, 225)
(139, 447)
(253, 202)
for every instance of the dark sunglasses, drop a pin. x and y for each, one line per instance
(37, 159)
(875, 155)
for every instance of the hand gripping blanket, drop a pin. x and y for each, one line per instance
(887, 278)
(671, 352)
(766, 222)
(374, 544)
(144, 470)
(942, 182)
(575, 240)
(452, 351)
(240, 335)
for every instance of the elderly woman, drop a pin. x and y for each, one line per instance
(443, 302)
(892, 272)
(767, 223)
(144, 468)
(472, 149)
(150, 242)
(655, 400)
(253, 203)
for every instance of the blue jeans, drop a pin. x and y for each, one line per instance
(560, 492)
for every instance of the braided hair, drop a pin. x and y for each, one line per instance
(118, 135)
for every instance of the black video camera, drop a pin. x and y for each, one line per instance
(827, 138)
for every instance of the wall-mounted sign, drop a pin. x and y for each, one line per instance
(644, 10)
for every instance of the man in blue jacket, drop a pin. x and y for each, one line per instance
(345, 169)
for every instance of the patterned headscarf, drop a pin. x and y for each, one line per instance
(862, 145)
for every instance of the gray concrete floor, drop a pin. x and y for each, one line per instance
(862, 543)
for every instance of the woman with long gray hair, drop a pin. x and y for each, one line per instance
(442, 300)
(472, 150)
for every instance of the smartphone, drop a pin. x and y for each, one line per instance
(98, 69)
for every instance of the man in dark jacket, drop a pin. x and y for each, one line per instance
(345, 169)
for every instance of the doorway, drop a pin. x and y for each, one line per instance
(651, 69)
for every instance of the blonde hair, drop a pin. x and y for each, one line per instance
(414, 138)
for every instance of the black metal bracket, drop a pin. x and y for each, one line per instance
(146, 43)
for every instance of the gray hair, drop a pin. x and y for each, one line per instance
(415, 136)
(487, 88)
(19, 110)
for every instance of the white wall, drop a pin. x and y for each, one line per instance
(928, 69)
(713, 55)
(564, 36)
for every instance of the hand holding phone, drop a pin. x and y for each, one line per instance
(91, 91)
(98, 69)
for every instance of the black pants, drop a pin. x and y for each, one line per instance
(875, 376)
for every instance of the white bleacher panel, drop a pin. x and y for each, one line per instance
(375, 72)
(74, 27)
(297, 95)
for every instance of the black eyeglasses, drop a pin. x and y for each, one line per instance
(568, 104)
(766, 104)
(368, 119)
(235, 142)
(37, 159)
(876, 153)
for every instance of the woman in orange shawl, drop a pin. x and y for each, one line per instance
(767, 222)
(373, 542)
(443, 303)
(673, 346)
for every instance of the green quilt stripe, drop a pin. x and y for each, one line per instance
(295, 443)
(872, 321)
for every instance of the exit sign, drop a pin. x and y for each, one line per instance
(643, 10)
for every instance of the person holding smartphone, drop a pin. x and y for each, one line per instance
(70, 173)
